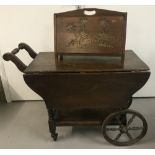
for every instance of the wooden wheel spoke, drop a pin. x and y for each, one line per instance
(112, 129)
(131, 119)
(118, 119)
(118, 136)
(136, 128)
(129, 135)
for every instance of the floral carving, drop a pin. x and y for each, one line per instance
(83, 39)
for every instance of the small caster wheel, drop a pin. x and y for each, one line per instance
(54, 136)
(124, 134)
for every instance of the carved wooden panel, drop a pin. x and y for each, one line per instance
(102, 33)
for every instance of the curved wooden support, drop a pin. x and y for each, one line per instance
(130, 101)
(11, 56)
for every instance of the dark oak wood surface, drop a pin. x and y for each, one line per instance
(46, 62)
(82, 90)
(89, 75)
(75, 32)
(85, 90)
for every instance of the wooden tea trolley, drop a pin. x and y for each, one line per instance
(90, 78)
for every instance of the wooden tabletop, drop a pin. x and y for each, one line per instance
(46, 62)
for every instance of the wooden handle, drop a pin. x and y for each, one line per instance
(15, 51)
(12, 56)
(31, 52)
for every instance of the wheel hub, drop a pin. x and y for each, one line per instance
(124, 129)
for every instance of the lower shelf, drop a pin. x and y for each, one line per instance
(76, 123)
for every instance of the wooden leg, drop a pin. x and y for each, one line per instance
(52, 124)
(61, 57)
(123, 119)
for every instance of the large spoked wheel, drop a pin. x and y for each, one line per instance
(124, 134)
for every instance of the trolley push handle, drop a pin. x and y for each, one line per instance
(12, 56)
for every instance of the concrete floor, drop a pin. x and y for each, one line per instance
(24, 125)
